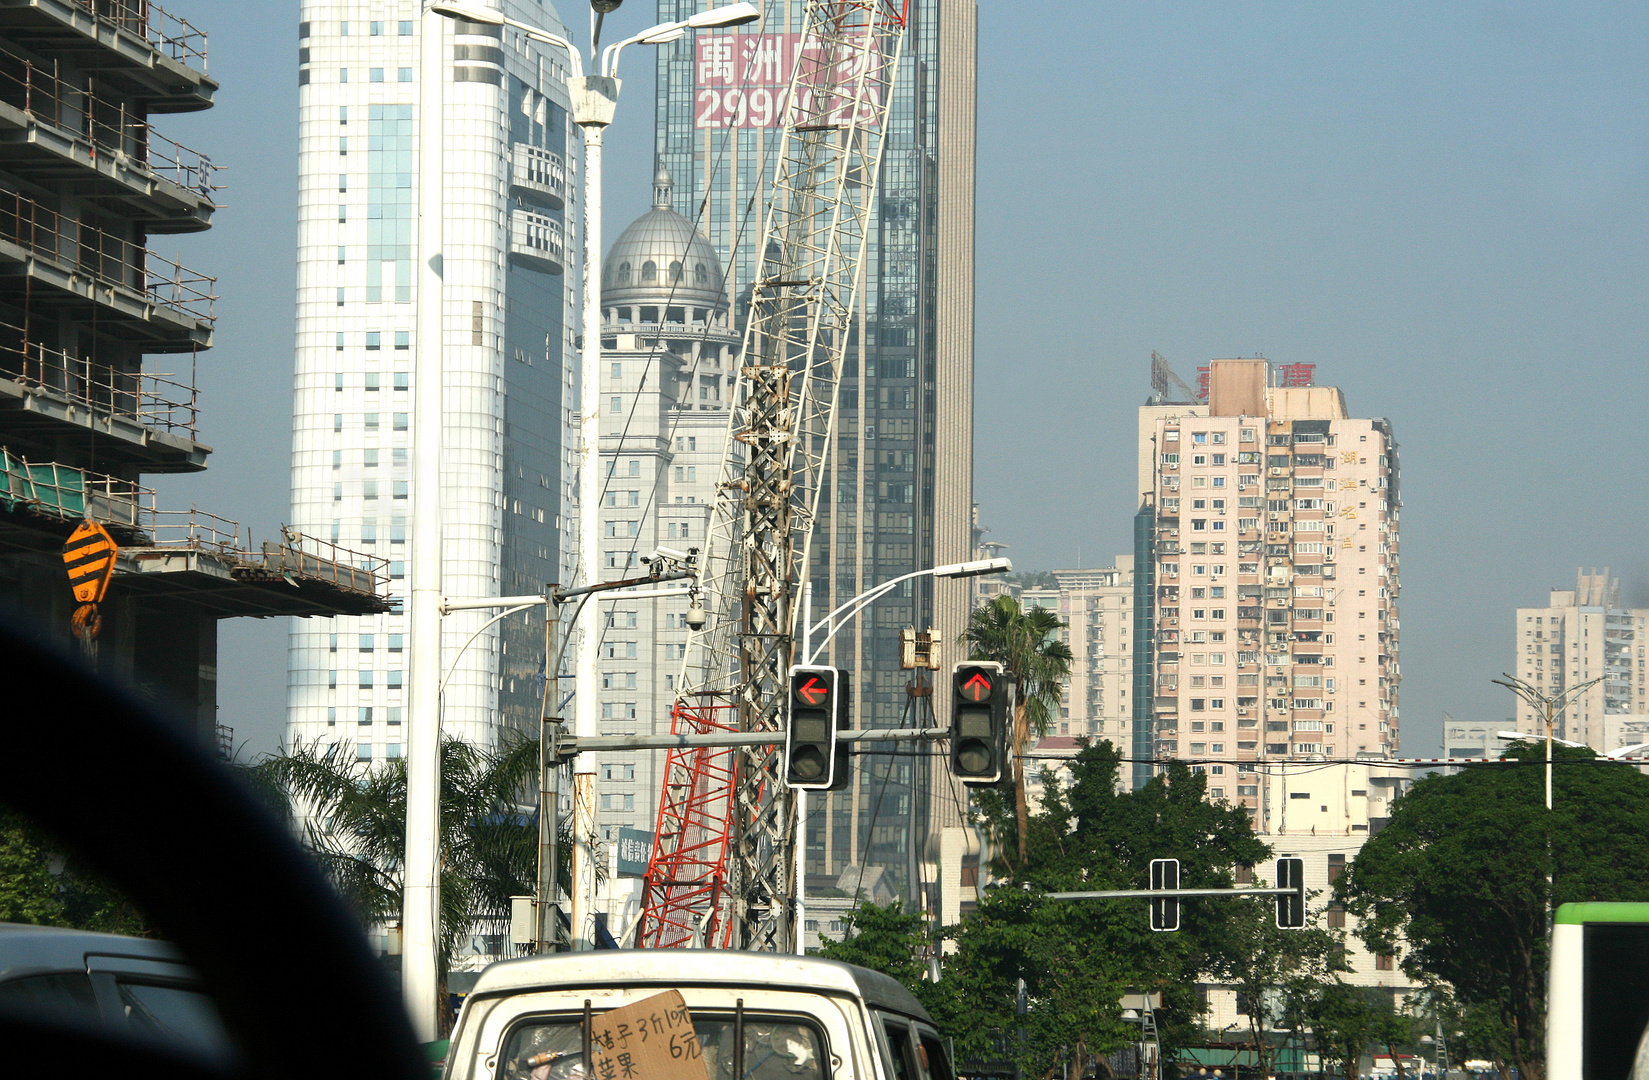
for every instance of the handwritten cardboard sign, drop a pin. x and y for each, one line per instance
(653, 1039)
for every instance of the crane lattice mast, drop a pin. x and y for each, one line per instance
(723, 870)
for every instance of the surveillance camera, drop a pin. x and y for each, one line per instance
(696, 615)
(671, 553)
(605, 7)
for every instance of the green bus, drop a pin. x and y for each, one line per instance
(1597, 993)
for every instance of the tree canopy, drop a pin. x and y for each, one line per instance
(1459, 876)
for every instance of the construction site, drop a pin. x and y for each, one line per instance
(100, 338)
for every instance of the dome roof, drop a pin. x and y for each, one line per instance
(662, 258)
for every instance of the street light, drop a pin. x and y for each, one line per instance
(836, 620)
(1546, 706)
(594, 102)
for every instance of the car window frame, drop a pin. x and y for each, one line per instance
(494, 1060)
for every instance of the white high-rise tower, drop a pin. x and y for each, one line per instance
(511, 284)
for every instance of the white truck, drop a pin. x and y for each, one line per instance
(756, 1016)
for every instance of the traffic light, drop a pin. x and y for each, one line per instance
(979, 722)
(1164, 910)
(1291, 905)
(814, 759)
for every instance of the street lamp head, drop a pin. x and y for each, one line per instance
(974, 569)
(605, 7)
(475, 13)
(731, 15)
(663, 36)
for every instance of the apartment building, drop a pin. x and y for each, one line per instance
(510, 305)
(1584, 634)
(1096, 607)
(1272, 529)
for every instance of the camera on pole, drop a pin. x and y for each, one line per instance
(979, 722)
(1291, 905)
(1164, 909)
(814, 759)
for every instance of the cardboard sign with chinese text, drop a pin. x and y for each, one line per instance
(652, 1039)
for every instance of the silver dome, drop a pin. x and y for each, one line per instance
(661, 258)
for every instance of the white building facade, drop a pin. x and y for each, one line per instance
(1584, 634)
(669, 352)
(510, 307)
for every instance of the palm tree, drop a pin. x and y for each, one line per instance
(1026, 643)
(354, 823)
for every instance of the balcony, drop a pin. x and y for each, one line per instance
(155, 54)
(53, 398)
(48, 260)
(57, 134)
(537, 242)
(538, 175)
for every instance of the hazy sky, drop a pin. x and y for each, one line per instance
(1443, 206)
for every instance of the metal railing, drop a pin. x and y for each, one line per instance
(310, 557)
(67, 492)
(157, 400)
(166, 33)
(109, 258)
(193, 528)
(108, 126)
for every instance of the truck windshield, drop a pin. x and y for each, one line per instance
(775, 1048)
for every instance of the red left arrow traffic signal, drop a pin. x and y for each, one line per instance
(813, 692)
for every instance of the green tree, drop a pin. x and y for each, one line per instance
(354, 824)
(1026, 643)
(1275, 972)
(1090, 835)
(28, 889)
(1348, 1020)
(1036, 981)
(886, 939)
(42, 883)
(1460, 875)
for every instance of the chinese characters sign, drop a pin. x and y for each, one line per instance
(652, 1039)
(635, 850)
(743, 80)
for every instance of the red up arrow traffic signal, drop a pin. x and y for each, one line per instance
(813, 691)
(977, 688)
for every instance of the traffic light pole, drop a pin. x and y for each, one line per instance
(1166, 894)
(570, 746)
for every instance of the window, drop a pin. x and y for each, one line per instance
(616, 406)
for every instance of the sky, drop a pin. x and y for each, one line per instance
(1443, 207)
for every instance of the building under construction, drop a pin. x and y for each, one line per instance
(99, 341)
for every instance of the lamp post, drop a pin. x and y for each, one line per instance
(594, 101)
(835, 620)
(1546, 707)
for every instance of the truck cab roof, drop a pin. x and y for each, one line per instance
(697, 967)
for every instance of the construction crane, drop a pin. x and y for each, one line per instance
(724, 865)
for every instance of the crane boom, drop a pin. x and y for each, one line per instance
(738, 887)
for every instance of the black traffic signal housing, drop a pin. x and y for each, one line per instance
(814, 759)
(1164, 909)
(979, 723)
(1291, 905)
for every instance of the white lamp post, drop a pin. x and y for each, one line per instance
(594, 101)
(836, 620)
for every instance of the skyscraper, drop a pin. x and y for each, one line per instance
(1583, 634)
(510, 299)
(900, 495)
(1274, 534)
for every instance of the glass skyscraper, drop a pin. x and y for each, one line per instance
(900, 491)
(511, 274)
